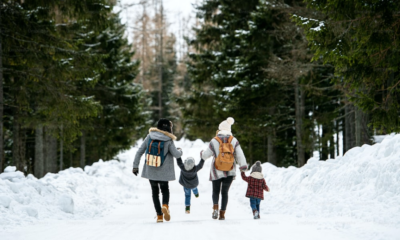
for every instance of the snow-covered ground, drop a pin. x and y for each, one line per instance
(356, 196)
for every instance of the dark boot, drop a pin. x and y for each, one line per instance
(187, 209)
(215, 211)
(221, 214)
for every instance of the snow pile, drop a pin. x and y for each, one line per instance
(72, 193)
(363, 184)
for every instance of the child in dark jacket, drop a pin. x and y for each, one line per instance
(189, 179)
(255, 188)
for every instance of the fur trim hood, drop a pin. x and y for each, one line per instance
(172, 136)
(257, 175)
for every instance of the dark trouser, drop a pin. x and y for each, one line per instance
(155, 188)
(217, 188)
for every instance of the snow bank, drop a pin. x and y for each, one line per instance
(72, 193)
(363, 184)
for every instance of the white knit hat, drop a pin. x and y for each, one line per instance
(225, 126)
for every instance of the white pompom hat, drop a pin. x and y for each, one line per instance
(225, 126)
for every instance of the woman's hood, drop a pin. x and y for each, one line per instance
(157, 134)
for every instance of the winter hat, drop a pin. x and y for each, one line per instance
(256, 167)
(189, 163)
(225, 126)
(165, 125)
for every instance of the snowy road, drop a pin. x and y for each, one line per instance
(136, 221)
(350, 198)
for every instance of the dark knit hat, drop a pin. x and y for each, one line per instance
(165, 125)
(256, 167)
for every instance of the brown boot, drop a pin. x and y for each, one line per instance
(165, 210)
(159, 218)
(221, 214)
(215, 211)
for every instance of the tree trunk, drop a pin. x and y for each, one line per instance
(70, 159)
(39, 156)
(352, 128)
(271, 154)
(366, 137)
(324, 143)
(299, 104)
(331, 144)
(61, 149)
(337, 139)
(358, 126)
(346, 130)
(2, 161)
(83, 150)
(271, 149)
(17, 143)
(161, 61)
(50, 152)
(251, 152)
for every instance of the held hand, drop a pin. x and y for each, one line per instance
(201, 154)
(135, 171)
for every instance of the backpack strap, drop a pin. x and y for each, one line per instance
(149, 149)
(159, 148)
(219, 140)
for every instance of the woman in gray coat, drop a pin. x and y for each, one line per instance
(159, 176)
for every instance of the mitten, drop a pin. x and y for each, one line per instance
(135, 171)
(180, 149)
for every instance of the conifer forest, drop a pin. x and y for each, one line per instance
(301, 78)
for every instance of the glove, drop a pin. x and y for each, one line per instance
(201, 154)
(243, 168)
(135, 171)
(180, 149)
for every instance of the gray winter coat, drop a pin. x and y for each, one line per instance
(189, 179)
(167, 171)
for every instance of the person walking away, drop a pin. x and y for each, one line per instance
(188, 179)
(159, 164)
(256, 186)
(226, 152)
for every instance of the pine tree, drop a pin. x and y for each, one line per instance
(252, 63)
(40, 67)
(55, 55)
(122, 119)
(359, 38)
